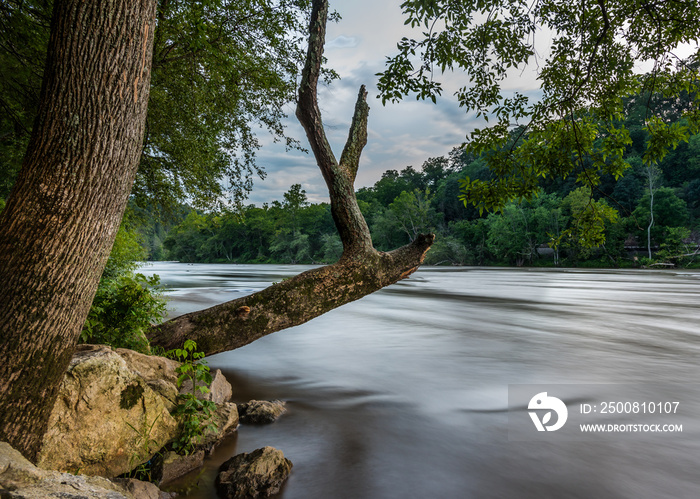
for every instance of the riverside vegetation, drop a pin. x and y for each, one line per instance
(546, 229)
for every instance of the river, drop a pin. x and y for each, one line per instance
(404, 393)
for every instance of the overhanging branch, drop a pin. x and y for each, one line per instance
(360, 271)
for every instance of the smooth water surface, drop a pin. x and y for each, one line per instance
(404, 394)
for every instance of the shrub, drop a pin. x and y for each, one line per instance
(123, 309)
(194, 414)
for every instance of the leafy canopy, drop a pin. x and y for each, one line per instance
(24, 36)
(222, 70)
(574, 126)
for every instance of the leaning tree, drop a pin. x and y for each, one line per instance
(64, 211)
(361, 269)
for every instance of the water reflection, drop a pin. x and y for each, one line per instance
(404, 393)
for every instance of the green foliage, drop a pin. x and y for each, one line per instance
(122, 311)
(590, 219)
(669, 211)
(222, 70)
(413, 212)
(293, 232)
(294, 201)
(517, 232)
(290, 247)
(126, 303)
(474, 235)
(331, 249)
(563, 223)
(386, 230)
(295, 198)
(126, 252)
(675, 246)
(193, 413)
(24, 35)
(448, 250)
(185, 239)
(391, 185)
(575, 127)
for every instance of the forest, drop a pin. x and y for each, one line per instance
(540, 231)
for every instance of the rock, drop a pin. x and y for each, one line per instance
(260, 411)
(107, 419)
(167, 391)
(258, 474)
(20, 479)
(150, 367)
(15, 470)
(226, 420)
(173, 466)
(140, 489)
(219, 391)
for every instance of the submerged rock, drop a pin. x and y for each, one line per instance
(261, 411)
(107, 419)
(260, 473)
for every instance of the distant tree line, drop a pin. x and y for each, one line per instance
(539, 231)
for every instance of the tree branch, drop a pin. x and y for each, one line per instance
(307, 111)
(357, 139)
(292, 302)
(361, 269)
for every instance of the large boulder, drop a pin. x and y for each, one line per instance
(20, 479)
(107, 419)
(260, 473)
(149, 367)
(261, 411)
(158, 372)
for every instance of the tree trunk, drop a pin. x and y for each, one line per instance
(360, 271)
(653, 174)
(651, 218)
(62, 216)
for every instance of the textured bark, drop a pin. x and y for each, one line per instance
(292, 302)
(61, 219)
(360, 271)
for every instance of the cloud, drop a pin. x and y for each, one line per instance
(342, 42)
(407, 133)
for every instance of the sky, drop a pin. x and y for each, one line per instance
(399, 135)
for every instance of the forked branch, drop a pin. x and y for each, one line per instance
(360, 271)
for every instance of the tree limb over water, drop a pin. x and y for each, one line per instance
(361, 269)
